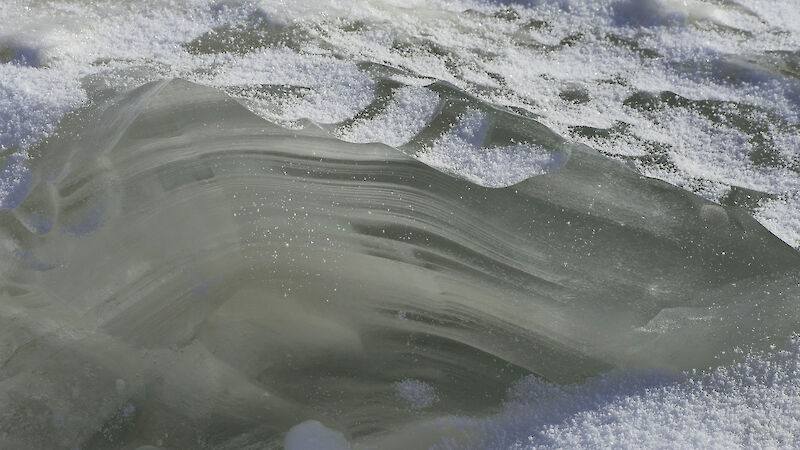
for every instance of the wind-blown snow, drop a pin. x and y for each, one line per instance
(409, 111)
(461, 151)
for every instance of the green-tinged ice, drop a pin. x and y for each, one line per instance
(187, 273)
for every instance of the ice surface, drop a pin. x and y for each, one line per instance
(182, 271)
(703, 95)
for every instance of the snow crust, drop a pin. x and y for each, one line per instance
(461, 151)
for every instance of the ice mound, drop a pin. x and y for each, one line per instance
(183, 273)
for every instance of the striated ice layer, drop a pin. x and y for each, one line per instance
(184, 274)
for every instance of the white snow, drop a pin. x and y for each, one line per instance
(461, 151)
(418, 394)
(312, 435)
(410, 109)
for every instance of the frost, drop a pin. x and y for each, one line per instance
(418, 394)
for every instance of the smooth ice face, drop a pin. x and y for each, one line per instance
(184, 273)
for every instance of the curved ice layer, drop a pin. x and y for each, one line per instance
(186, 274)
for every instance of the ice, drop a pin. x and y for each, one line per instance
(573, 65)
(182, 264)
